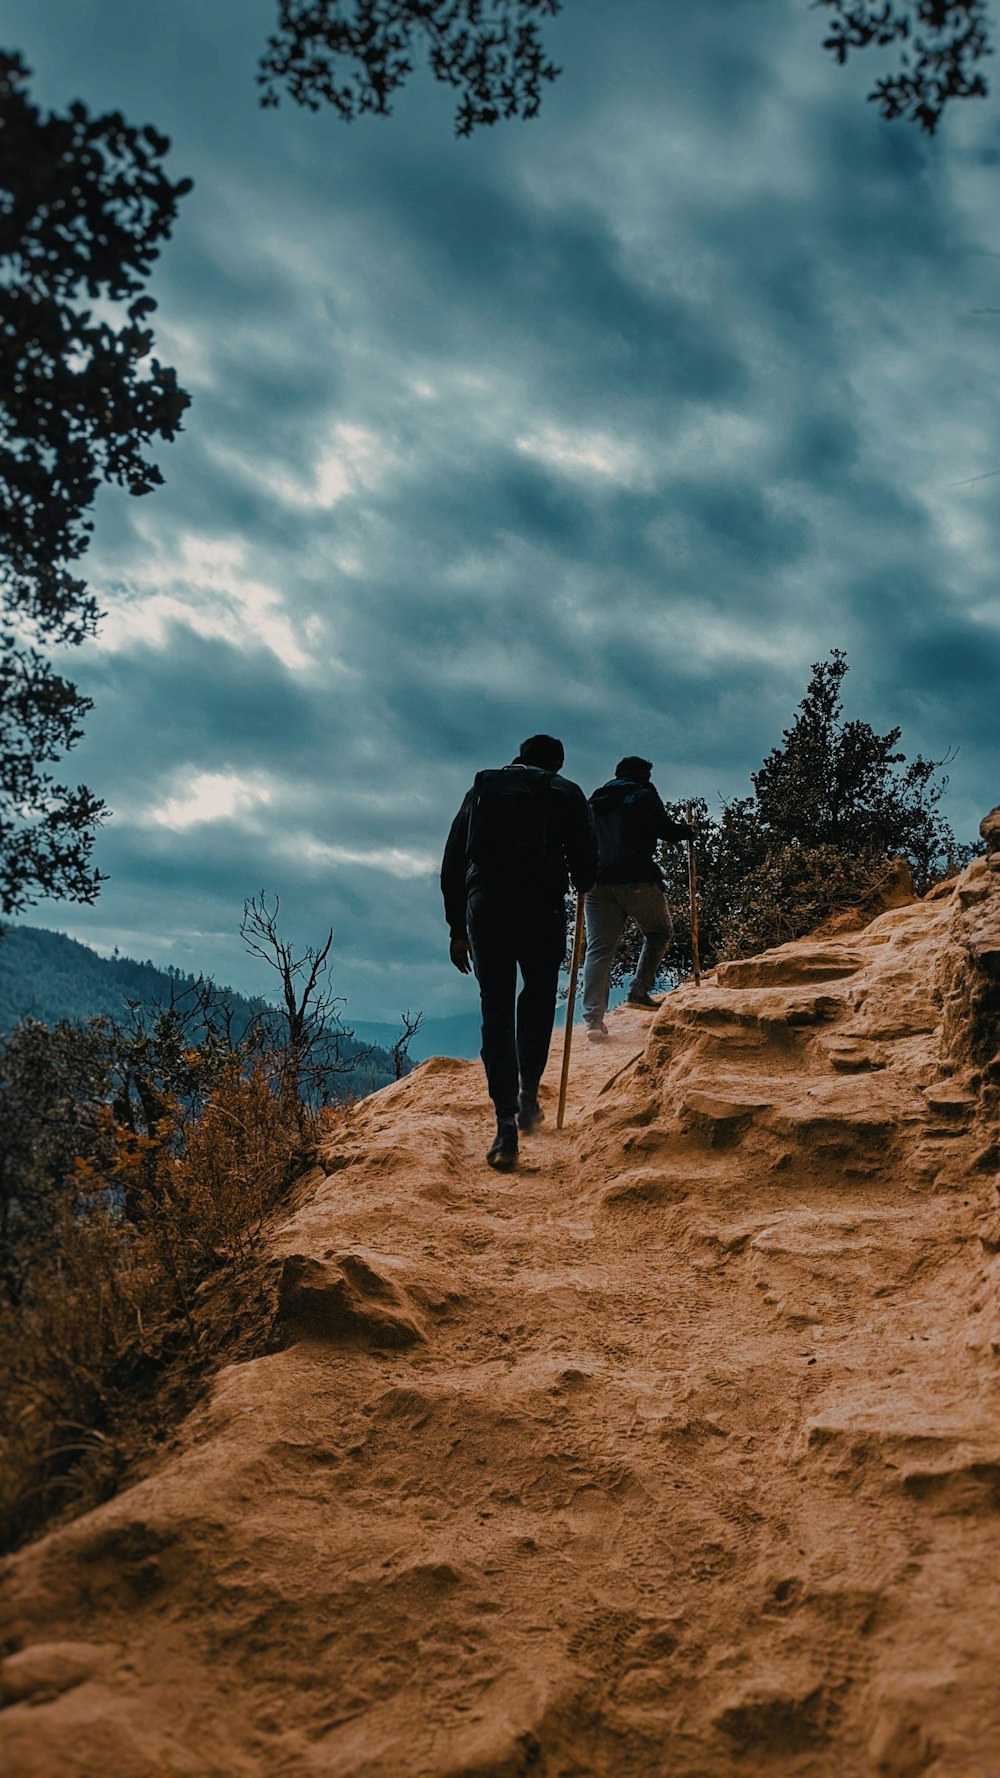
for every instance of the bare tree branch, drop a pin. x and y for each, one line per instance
(318, 1049)
(400, 1051)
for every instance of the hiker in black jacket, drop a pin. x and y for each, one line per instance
(521, 832)
(630, 820)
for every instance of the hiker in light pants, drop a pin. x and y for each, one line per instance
(630, 820)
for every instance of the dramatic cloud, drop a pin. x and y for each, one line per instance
(609, 424)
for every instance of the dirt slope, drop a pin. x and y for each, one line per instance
(675, 1454)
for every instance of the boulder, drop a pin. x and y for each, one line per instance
(346, 1300)
(989, 827)
(791, 965)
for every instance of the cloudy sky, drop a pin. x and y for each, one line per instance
(607, 424)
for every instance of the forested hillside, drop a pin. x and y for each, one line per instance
(47, 976)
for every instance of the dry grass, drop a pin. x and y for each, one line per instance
(152, 1276)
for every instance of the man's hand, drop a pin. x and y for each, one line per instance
(460, 955)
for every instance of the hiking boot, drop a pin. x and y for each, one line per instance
(646, 1001)
(503, 1154)
(529, 1113)
(597, 1033)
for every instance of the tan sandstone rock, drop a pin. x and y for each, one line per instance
(675, 1454)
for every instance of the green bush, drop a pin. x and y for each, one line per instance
(833, 806)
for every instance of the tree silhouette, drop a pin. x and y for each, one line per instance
(943, 43)
(836, 805)
(841, 784)
(317, 1049)
(84, 207)
(399, 1052)
(356, 54)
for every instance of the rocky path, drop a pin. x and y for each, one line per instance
(675, 1454)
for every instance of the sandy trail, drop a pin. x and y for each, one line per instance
(674, 1453)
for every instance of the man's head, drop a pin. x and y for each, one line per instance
(541, 750)
(634, 767)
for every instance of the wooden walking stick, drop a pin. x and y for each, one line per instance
(570, 1004)
(693, 893)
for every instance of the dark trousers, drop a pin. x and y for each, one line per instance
(505, 935)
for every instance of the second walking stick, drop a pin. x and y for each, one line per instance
(570, 1004)
(693, 892)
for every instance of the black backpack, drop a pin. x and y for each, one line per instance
(513, 836)
(619, 821)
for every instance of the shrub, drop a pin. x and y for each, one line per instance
(139, 1163)
(140, 1269)
(833, 806)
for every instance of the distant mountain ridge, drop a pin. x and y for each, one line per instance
(49, 976)
(457, 1035)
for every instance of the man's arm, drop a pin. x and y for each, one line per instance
(453, 870)
(579, 838)
(666, 828)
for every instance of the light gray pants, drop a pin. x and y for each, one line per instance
(607, 909)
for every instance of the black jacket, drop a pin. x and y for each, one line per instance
(570, 853)
(630, 819)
